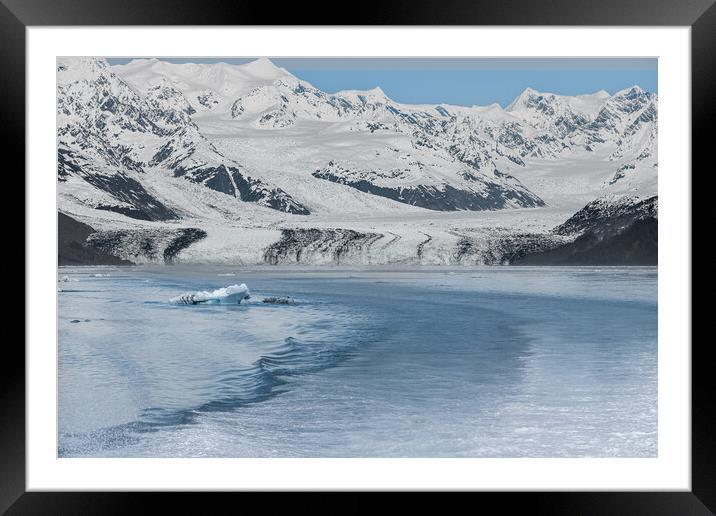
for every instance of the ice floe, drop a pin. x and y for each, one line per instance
(231, 295)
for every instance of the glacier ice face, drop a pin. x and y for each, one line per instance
(231, 295)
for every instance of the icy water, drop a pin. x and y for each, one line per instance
(469, 362)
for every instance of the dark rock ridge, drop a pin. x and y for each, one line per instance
(133, 200)
(622, 233)
(440, 198)
(635, 245)
(125, 189)
(231, 181)
(72, 246)
(298, 245)
(604, 213)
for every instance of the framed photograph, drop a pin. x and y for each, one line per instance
(417, 253)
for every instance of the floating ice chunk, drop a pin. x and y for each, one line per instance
(273, 300)
(231, 295)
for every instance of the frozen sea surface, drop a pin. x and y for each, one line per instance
(468, 362)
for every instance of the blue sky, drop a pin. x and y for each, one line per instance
(462, 81)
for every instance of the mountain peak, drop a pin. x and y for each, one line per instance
(82, 62)
(264, 68)
(71, 69)
(522, 99)
(151, 61)
(633, 90)
(375, 95)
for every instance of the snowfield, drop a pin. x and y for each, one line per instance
(248, 164)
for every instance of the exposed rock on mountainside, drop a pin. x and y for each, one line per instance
(72, 247)
(625, 232)
(480, 195)
(607, 213)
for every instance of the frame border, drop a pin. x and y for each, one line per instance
(16, 15)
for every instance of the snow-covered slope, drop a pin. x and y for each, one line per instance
(245, 152)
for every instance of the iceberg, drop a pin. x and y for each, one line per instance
(231, 295)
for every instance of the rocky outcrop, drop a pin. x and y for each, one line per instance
(73, 248)
(605, 213)
(445, 197)
(622, 232)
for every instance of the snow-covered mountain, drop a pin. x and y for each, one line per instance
(252, 150)
(111, 136)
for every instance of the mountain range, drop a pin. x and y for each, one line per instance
(251, 164)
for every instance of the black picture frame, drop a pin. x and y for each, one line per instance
(16, 15)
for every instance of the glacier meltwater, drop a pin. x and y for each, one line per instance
(443, 362)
